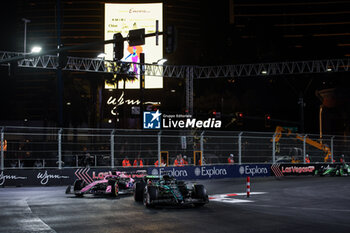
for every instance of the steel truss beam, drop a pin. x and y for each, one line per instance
(96, 65)
(276, 68)
(198, 72)
(188, 72)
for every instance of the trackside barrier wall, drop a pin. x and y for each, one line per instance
(39, 177)
(56, 177)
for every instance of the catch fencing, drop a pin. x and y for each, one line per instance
(34, 147)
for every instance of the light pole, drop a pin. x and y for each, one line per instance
(25, 35)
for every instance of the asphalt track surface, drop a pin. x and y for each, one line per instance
(303, 204)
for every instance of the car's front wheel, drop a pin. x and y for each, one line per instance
(115, 189)
(200, 193)
(149, 196)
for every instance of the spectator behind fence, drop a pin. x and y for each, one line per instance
(38, 163)
(126, 162)
(138, 162)
(24, 149)
(342, 158)
(185, 160)
(179, 162)
(162, 164)
(200, 161)
(3, 146)
(87, 159)
(230, 159)
(307, 159)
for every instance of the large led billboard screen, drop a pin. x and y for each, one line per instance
(120, 18)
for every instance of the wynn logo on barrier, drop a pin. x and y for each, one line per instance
(45, 177)
(3, 177)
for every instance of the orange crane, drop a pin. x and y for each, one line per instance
(319, 145)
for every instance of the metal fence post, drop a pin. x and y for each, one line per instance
(304, 147)
(240, 148)
(159, 148)
(332, 156)
(201, 146)
(2, 148)
(112, 148)
(60, 149)
(274, 148)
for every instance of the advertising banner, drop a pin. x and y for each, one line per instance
(46, 177)
(213, 171)
(54, 177)
(254, 170)
(123, 17)
(36, 177)
(294, 169)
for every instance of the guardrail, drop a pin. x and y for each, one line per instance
(55, 148)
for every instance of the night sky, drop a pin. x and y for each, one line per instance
(261, 31)
(8, 25)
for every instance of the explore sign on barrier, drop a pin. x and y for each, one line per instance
(213, 171)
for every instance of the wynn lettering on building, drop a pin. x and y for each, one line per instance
(115, 102)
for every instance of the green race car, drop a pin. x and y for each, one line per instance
(166, 190)
(334, 170)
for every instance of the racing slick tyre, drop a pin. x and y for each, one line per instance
(182, 187)
(68, 189)
(149, 196)
(115, 189)
(200, 193)
(138, 191)
(78, 185)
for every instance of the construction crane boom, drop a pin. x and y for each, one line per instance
(319, 145)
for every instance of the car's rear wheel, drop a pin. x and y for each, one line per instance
(138, 191)
(68, 189)
(77, 187)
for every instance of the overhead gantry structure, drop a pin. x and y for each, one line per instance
(187, 72)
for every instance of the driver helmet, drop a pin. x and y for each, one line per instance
(231, 155)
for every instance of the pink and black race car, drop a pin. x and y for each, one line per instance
(120, 183)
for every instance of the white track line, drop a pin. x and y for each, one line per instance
(230, 197)
(33, 223)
